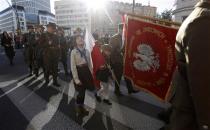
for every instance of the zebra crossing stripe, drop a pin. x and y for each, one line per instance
(19, 84)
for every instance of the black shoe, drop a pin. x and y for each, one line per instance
(11, 63)
(46, 83)
(36, 74)
(107, 102)
(162, 128)
(164, 116)
(119, 94)
(133, 91)
(82, 111)
(98, 98)
(56, 84)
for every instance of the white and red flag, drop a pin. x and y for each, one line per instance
(97, 58)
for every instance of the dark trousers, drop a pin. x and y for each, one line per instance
(128, 84)
(118, 71)
(86, 79)
(50, 65)
(64, 62)
(51, 70)
(80, 97)
(29, 57)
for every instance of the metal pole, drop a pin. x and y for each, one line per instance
(133, 9)
(17, 17)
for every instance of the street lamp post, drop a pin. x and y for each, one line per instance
(133, 9)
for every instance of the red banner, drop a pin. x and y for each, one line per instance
(150, 55)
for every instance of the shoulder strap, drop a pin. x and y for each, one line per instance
(83, 54)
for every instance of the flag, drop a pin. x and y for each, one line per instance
(89, 40)
(96, 56)
(149, 55)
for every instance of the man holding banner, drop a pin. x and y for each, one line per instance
(116, 43)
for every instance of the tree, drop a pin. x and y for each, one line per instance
(166, 14)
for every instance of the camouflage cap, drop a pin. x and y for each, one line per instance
(53, 25)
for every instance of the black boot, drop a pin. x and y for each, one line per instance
(98, 98)
(133, 91)
(84, 111)
(56, 84)
(46, 82)
(11, 62)
(80, 110)
(118, 93)
(107, 102)
(36, 72)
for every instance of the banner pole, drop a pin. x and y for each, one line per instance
(155, 20)
(113, 75)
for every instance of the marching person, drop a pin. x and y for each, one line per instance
(104, 75)
(18, 40)
(63, 49)
(38, 56)
(7, 44)
(117, 61)
(191, 104)
(81, 70)
(29, 44)
(50, 44)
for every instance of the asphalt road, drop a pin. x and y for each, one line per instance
(27, 104)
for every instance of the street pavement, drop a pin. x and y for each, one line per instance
(27, 104)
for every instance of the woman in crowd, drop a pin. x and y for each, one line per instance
(81, 71)
(7, 44)
(104, 75)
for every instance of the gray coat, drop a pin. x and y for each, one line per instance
(192, 79)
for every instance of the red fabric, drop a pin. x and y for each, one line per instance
(162, 41)
(98, 60)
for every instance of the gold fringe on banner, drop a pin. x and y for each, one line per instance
(153, 20)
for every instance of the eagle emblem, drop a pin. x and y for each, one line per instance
(146, 59)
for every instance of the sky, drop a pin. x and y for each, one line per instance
(160, 4)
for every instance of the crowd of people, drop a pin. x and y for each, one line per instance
(191, 98)
(43, 50)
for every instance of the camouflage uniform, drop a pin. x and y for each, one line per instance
(29, 43)
(38, 56)
(63, 52)
(50, 55)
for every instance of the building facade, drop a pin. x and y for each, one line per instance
(75, 13)
(183, 9)
(9, 19)
(106, 21)
(45, 17)
(72, 14)
(32, 8)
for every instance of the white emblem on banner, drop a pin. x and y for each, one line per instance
(146, 59)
